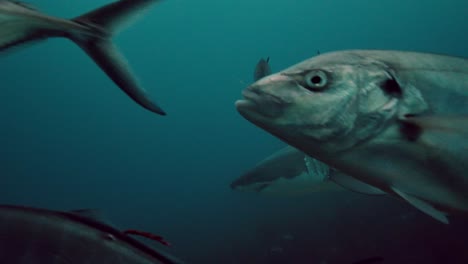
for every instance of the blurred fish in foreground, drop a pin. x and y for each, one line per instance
(21, 24)
(34, 235)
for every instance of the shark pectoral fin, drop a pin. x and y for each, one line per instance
(354, 185)
(423, 206)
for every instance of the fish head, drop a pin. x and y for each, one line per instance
(325, 104)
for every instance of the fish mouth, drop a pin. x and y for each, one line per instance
(256, 101)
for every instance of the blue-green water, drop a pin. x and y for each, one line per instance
(71, 139)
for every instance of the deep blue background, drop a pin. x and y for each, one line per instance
(71, 139)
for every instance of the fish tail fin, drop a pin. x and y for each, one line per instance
(106, 21)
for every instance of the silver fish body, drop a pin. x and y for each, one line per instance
(33, 235)
(394, 120)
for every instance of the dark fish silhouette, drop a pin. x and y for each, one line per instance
(33, 235)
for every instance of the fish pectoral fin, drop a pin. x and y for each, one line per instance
(355, 185)
(443, 140)
(436, 129)
(423, 206)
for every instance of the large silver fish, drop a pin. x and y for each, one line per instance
(33, 235)
(395, 120)
(290, 171)
(20, 24)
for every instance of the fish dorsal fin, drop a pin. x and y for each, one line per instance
(423, 206)
(262, 69)
(355, 185)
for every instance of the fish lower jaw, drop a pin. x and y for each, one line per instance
(259, 107)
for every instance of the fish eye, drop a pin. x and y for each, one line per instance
(316, 80)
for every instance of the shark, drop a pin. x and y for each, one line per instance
(287, 172)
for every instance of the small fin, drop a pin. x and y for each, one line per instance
(111, 17)
(355, 185)
(154, 237)
(262, 69)
(423, 206)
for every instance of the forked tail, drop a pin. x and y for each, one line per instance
(110, 18)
